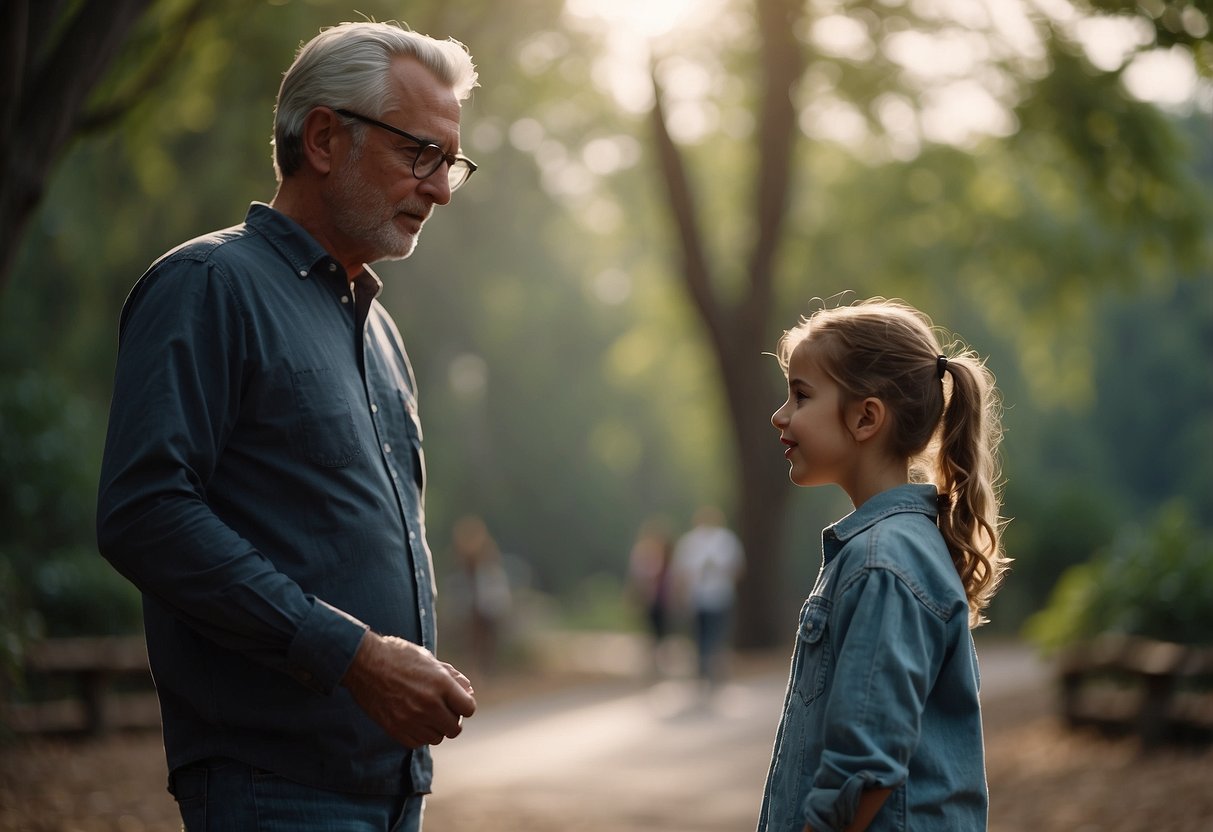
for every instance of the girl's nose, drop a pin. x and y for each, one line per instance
(778, 419)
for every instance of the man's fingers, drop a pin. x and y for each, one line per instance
(461, 703)
(460, 699)
(464, 682)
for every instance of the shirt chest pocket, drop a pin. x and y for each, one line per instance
(326, 432)
(813, 649)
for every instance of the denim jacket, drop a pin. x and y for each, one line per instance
(883, 689)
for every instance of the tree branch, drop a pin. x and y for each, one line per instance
(696, 272)
(168, 49)
(69, 73)
(783, 64)
(14, 44)
(62, 65)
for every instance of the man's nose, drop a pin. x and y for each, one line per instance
(437, 186)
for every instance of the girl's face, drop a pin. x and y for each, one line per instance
(810, 423)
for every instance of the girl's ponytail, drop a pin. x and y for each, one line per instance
(967, 475)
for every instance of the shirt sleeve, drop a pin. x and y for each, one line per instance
(887, 644)
(182, 350)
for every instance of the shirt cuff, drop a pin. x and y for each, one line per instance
(324, 647)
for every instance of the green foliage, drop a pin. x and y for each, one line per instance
(75, 591)
(52, 581)
(1175, 22)
(1156, 582)
(45, 490)
(1055, 526)
(599, 602)
(565, 387)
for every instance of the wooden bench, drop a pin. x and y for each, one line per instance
(1160, 691)
(94, 666)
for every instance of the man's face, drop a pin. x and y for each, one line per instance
(376, 203)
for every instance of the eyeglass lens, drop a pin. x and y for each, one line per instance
(430, 160)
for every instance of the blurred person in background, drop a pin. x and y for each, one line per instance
(262, 481)
(649, 579)
(485, 592)
(708, 560)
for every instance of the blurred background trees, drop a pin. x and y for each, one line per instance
(664, 188)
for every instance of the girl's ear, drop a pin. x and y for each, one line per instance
(866, 418)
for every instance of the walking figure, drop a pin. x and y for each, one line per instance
(708, 560)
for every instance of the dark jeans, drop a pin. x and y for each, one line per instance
(711, 635)
(221, 795)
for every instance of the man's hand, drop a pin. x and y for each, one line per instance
(415, 698)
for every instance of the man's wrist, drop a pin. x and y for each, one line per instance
(325, 646)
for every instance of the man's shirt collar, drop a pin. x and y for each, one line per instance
(300, 249)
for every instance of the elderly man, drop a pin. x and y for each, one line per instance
(263, 477)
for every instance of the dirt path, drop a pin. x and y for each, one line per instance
(641, 757)
(620, 756)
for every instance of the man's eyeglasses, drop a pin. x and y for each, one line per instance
(429, 156)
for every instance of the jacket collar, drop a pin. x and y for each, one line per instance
(921, 498)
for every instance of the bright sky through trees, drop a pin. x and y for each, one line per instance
(962, 95)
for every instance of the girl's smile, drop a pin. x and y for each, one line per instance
(791, 447)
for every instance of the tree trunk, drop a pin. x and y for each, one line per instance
(52, 66)
(762, 501)
(737, 334)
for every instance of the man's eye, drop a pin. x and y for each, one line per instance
(427, 156)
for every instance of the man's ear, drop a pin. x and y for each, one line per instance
(866, 418)
(319, 132)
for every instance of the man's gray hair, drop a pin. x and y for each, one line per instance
(347, 66)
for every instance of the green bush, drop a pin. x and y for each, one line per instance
(75, 592)
(52, 580)
(1155, 582)
(599, 602)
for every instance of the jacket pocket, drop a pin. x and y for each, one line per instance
(327, 435)
(814, 666)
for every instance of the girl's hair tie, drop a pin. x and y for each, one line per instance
(941, 364)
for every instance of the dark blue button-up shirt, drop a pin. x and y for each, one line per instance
(262, 485)
(883, 690)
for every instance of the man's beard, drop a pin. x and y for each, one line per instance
(361, 213)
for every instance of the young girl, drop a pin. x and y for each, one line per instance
(881, 726)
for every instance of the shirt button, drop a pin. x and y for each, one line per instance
(345, 299)
(387, 448)
(303, 272)
(412, 535)
(394, 474)
(374, 408)
(332, 267)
